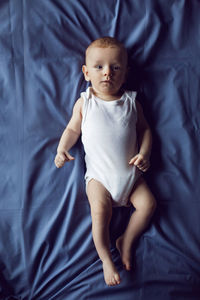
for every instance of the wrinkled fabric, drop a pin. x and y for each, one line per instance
(46, 247)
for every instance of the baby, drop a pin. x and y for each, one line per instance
(117, 142)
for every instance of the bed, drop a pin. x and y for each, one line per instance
(46, 246)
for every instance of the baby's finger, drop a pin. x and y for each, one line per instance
(131, 162)
(59, 160)
(59, 163)
(62, 158)
(140, 166)
(138, 162)
(145, 167)
(69, 157)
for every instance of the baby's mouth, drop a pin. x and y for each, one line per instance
(107, 81)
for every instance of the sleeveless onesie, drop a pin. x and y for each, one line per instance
(110, 141)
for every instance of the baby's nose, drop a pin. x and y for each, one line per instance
(107, 71)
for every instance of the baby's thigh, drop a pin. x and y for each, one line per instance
(99, 197)
(142, 198)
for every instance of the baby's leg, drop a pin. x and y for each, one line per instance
(145, 204)
(101, 212)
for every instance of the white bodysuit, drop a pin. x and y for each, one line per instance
(110, 141)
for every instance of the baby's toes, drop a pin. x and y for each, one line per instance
(117, 279)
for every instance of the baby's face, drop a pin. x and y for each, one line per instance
(106, 69)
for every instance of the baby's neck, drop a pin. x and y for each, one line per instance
(108, 97)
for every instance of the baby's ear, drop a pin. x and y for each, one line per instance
(85, 72)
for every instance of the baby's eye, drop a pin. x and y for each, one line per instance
(116, 68)
(99, 67)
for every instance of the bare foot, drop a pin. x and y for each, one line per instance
(111, 275)
(125, 252)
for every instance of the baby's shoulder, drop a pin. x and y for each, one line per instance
(78, 106)
(79, 102)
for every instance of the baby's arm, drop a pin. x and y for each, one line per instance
(70, 135)
(141, 160)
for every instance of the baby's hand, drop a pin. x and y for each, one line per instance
(61, 158)
(141, 162)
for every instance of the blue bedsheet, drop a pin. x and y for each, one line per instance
(46, 247)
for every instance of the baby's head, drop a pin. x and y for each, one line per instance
(106, 42)
(106, 67)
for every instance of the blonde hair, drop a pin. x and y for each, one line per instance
(106, 42)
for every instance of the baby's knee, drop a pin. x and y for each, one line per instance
(101, 210)
(147, 205)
